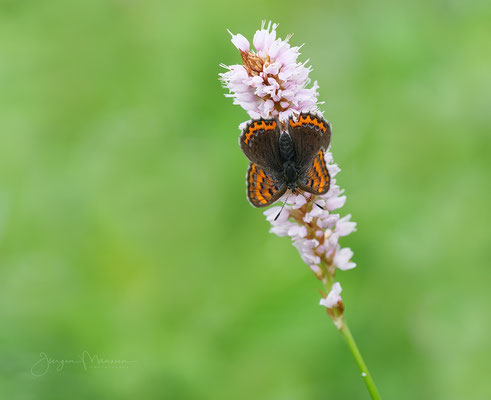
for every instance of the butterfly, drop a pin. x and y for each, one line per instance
(281, 159)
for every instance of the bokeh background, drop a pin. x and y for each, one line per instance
(125, 231)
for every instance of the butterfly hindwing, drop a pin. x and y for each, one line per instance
(316, 179)
(259, 142)
(310, 133)
(263, 188)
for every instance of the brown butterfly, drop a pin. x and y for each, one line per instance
(290, 159)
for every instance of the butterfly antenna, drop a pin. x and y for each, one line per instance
(283, 206)
(309, 199)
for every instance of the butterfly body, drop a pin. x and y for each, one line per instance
(291, 159)
(287, 153)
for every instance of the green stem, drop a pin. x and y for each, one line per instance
(372, 389)
(337, 316)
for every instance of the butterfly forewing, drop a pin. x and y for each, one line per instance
(309, 133)
(316, 179)
(259, 142)
(263, 188)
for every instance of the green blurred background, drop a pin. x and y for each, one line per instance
(125, 231)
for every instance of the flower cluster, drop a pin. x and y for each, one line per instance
(315, 231)
(270, 82)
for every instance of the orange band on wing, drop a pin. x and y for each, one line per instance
(256, 179)
(309, 119)
(317, 180)
(319, 168)
(256, 126)
(262, 190)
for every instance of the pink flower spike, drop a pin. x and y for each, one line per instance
(271, 73)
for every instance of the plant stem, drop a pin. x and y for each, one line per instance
(372, 389)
